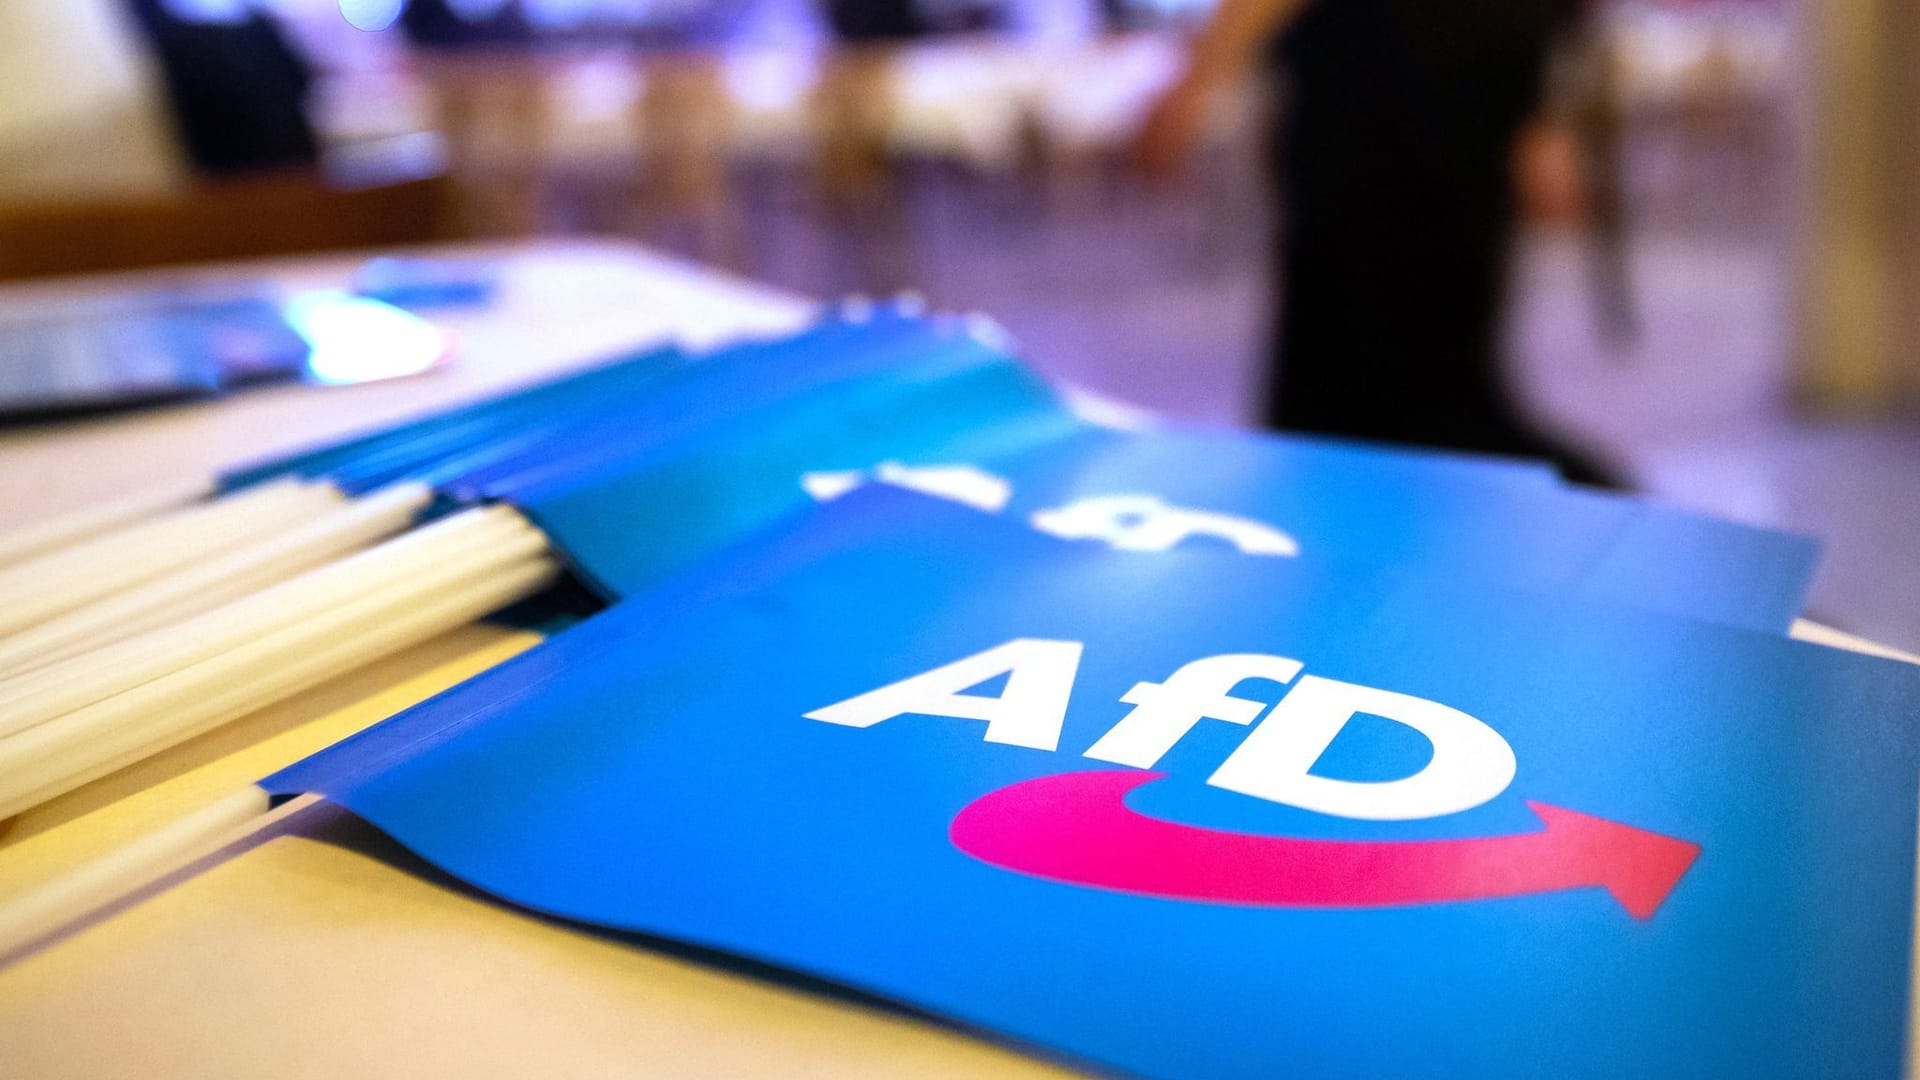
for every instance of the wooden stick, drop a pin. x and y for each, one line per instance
(203, 586)
(1821, 634)
(39, 695)
(98, 884)
(41, 588)
(418, 623)
(35, 696)
(68, 529)
(60, 755)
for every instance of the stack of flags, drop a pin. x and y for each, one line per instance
(1166, 751)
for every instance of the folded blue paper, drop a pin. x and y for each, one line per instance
(1186, 813)
(979, 428)
(640, 469)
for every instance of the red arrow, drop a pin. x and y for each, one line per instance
(1076, 827)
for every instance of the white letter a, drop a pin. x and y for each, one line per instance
(1029, 712)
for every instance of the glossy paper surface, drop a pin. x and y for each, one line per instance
(1700, 861)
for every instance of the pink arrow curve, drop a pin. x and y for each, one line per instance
(1076, 828)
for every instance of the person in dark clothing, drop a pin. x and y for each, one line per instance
(860, 22)
(1394, 164)
(236, 89)
(434, 24)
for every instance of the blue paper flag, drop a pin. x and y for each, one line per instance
(642, 468)
(584, 399)
(1190, 814)
(979, 429)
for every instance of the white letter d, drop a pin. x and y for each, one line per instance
(1471, 762)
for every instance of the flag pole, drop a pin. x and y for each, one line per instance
(29, 541)
(57, 581)
(202, 586)
(97, 884)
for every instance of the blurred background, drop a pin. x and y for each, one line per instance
(1715, 285)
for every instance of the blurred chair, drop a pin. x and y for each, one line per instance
(854, 105)
(493, 111)
(685, 124)
(270, 215)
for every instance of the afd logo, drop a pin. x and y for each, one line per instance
(1127, 522)
(1076, 828)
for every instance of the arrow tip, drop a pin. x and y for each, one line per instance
(1640, 868)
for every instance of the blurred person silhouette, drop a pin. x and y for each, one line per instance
(1395, 162)
(236, 89)
(456, 24)
(858, 22)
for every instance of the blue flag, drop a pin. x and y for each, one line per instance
(1184, 813)
(984, 432)
(642, 468)
(544, 413)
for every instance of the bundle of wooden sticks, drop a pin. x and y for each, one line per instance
(130, 628)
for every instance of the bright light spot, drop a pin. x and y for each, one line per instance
(599, 90)
(769, 79)
(354, 339)
(372, 16)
